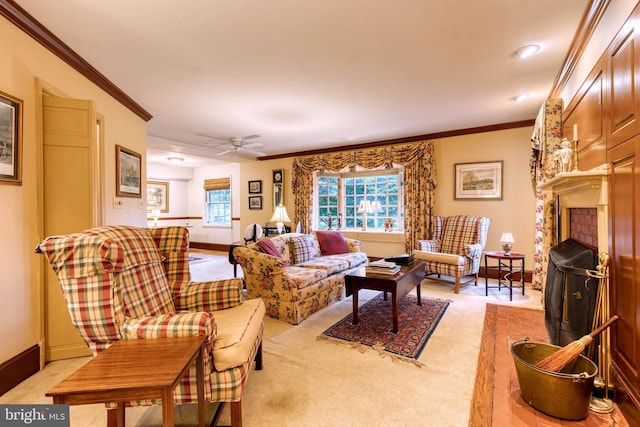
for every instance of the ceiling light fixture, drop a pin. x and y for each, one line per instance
(520, 98)
(175, 160)
(526, 51)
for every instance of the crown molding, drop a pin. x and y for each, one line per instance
(27, 23)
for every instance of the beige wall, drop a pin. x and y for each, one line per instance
(25, 61)
(516, 211)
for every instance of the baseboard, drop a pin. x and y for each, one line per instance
(19, 368)
(209, 246)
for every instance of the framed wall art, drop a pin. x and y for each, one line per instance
(158, 196)
(255, 202)
(128, 173)
(10, 139)
(479, 181)
(255, 187)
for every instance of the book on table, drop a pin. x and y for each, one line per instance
(382, 267)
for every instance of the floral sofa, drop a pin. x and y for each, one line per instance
(298, 274)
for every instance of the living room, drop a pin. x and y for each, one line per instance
(33, 71)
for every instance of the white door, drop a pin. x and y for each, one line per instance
(70, 204)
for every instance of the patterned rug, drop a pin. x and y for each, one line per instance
(415, 326)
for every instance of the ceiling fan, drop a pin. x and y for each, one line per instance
(239, 145)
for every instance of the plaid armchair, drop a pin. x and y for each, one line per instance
(455, 248)
(123, 282)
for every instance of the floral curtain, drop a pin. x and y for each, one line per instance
(547, 134)
(419, 182)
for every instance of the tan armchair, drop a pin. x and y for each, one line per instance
(124, 283)
(455, 248)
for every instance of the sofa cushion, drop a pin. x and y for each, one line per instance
(303, 248)
(301, 277)
(332, 265)
(237, 330)
(268, 247)
(331, 243)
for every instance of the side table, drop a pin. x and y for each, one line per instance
(506, 266)
(135, 370)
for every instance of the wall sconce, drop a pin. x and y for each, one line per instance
(280, 216)
(507, 242)
(364, 208)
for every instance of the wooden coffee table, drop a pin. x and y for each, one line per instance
(399, 285)
(135, 370)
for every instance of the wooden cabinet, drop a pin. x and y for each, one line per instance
(623, 101)
(624, 203)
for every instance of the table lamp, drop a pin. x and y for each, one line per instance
(280, 216)
(364, 208)
(507, 242)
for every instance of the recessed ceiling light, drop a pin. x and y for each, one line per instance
(526, 51)
(520, 98)
(175, 160)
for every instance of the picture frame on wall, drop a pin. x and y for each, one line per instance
(255, 187)
(478, 181)
(158, 196)
(10, 139)
(255, 202)
(128, 173)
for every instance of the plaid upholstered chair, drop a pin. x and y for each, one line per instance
(455, 248)
(123, 282)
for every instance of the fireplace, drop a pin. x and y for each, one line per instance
(582, 230)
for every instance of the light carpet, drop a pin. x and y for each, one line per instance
(306, 382)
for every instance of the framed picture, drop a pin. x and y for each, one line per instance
(278, 176)
(10, 139)
(158, 196)
(255, 202)
(480, 181)
(128, 172)
(255, 187)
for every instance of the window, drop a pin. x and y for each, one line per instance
(218, 202)
(339, 198)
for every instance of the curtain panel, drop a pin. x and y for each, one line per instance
(418, 160)
(547, 134)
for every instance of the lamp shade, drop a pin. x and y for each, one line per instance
(365, 206)
(280, 214)
(507, 238)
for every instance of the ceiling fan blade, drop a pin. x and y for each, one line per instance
(250, 137)
(226, 151)
(253, 145)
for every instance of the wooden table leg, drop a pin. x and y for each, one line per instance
(167, 407)
(394, 307)
(418, 294)
(200, 382)
(355, 290)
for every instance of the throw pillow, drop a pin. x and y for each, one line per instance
(267, 246)
(331, 243)
(303, 248)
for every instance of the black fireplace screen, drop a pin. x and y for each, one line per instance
(570, 295)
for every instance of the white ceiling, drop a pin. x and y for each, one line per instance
(309, 74)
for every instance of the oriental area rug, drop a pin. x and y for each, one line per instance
(415, 325)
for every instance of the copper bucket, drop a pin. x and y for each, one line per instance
(563, 394)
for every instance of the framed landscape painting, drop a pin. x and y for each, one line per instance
(480, 181)
(128, 173)
(10, 139)
(158, 196)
